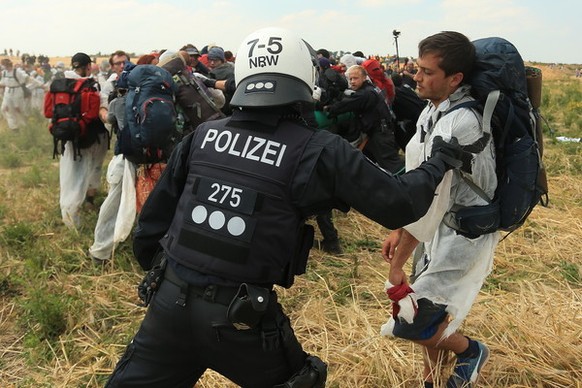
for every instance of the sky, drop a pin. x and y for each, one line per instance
(542, 30)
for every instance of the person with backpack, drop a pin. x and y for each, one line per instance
(116, 217)
(226, 222)
(196, 102)
(452, 266)
(82, 157)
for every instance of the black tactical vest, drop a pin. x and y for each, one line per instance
(235, 219)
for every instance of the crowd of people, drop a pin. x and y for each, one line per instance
(295, 133)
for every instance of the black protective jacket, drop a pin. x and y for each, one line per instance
(330, 173)
(224, 72)
(368, 106)
(333, 85)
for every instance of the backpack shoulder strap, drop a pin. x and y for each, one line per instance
(489, 108)
(480, 144)
(82, 83)
(475, 187)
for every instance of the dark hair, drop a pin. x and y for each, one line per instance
(324, 53)
(118, 53)
(455, 50)
(396, 79)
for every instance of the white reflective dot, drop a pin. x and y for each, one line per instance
(269, 85)
(250, 86)
(260, 85)
(236, 226)
(216, 220)
(199, 214)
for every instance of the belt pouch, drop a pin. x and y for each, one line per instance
(248, 306)
(474, 221)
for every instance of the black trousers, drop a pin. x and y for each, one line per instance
(176, 344)
(325, 224)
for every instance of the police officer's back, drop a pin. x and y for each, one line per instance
(228, 216)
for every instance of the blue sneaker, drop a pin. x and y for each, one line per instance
(467, 370)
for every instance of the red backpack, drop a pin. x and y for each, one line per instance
(71, 105)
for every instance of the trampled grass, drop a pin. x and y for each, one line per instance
(65, 323)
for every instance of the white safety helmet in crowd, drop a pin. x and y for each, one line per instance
(273, 67)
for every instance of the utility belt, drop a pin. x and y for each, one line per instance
(247, 303)
(211, 293)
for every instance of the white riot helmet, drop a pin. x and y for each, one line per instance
(273, 67)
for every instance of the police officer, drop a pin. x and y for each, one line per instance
(227, 219)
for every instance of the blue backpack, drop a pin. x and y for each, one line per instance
(150, 115)
(500, 87)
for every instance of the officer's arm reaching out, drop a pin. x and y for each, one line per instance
(344, 178)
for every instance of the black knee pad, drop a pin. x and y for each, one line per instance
(312, 375)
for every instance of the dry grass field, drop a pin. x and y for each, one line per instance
(65, 323)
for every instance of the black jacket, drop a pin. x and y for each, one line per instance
(333, 85)
(368, 106)
(330, 174)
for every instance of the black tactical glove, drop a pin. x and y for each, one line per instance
(151, 282)
(450, 152)
(208, 82)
